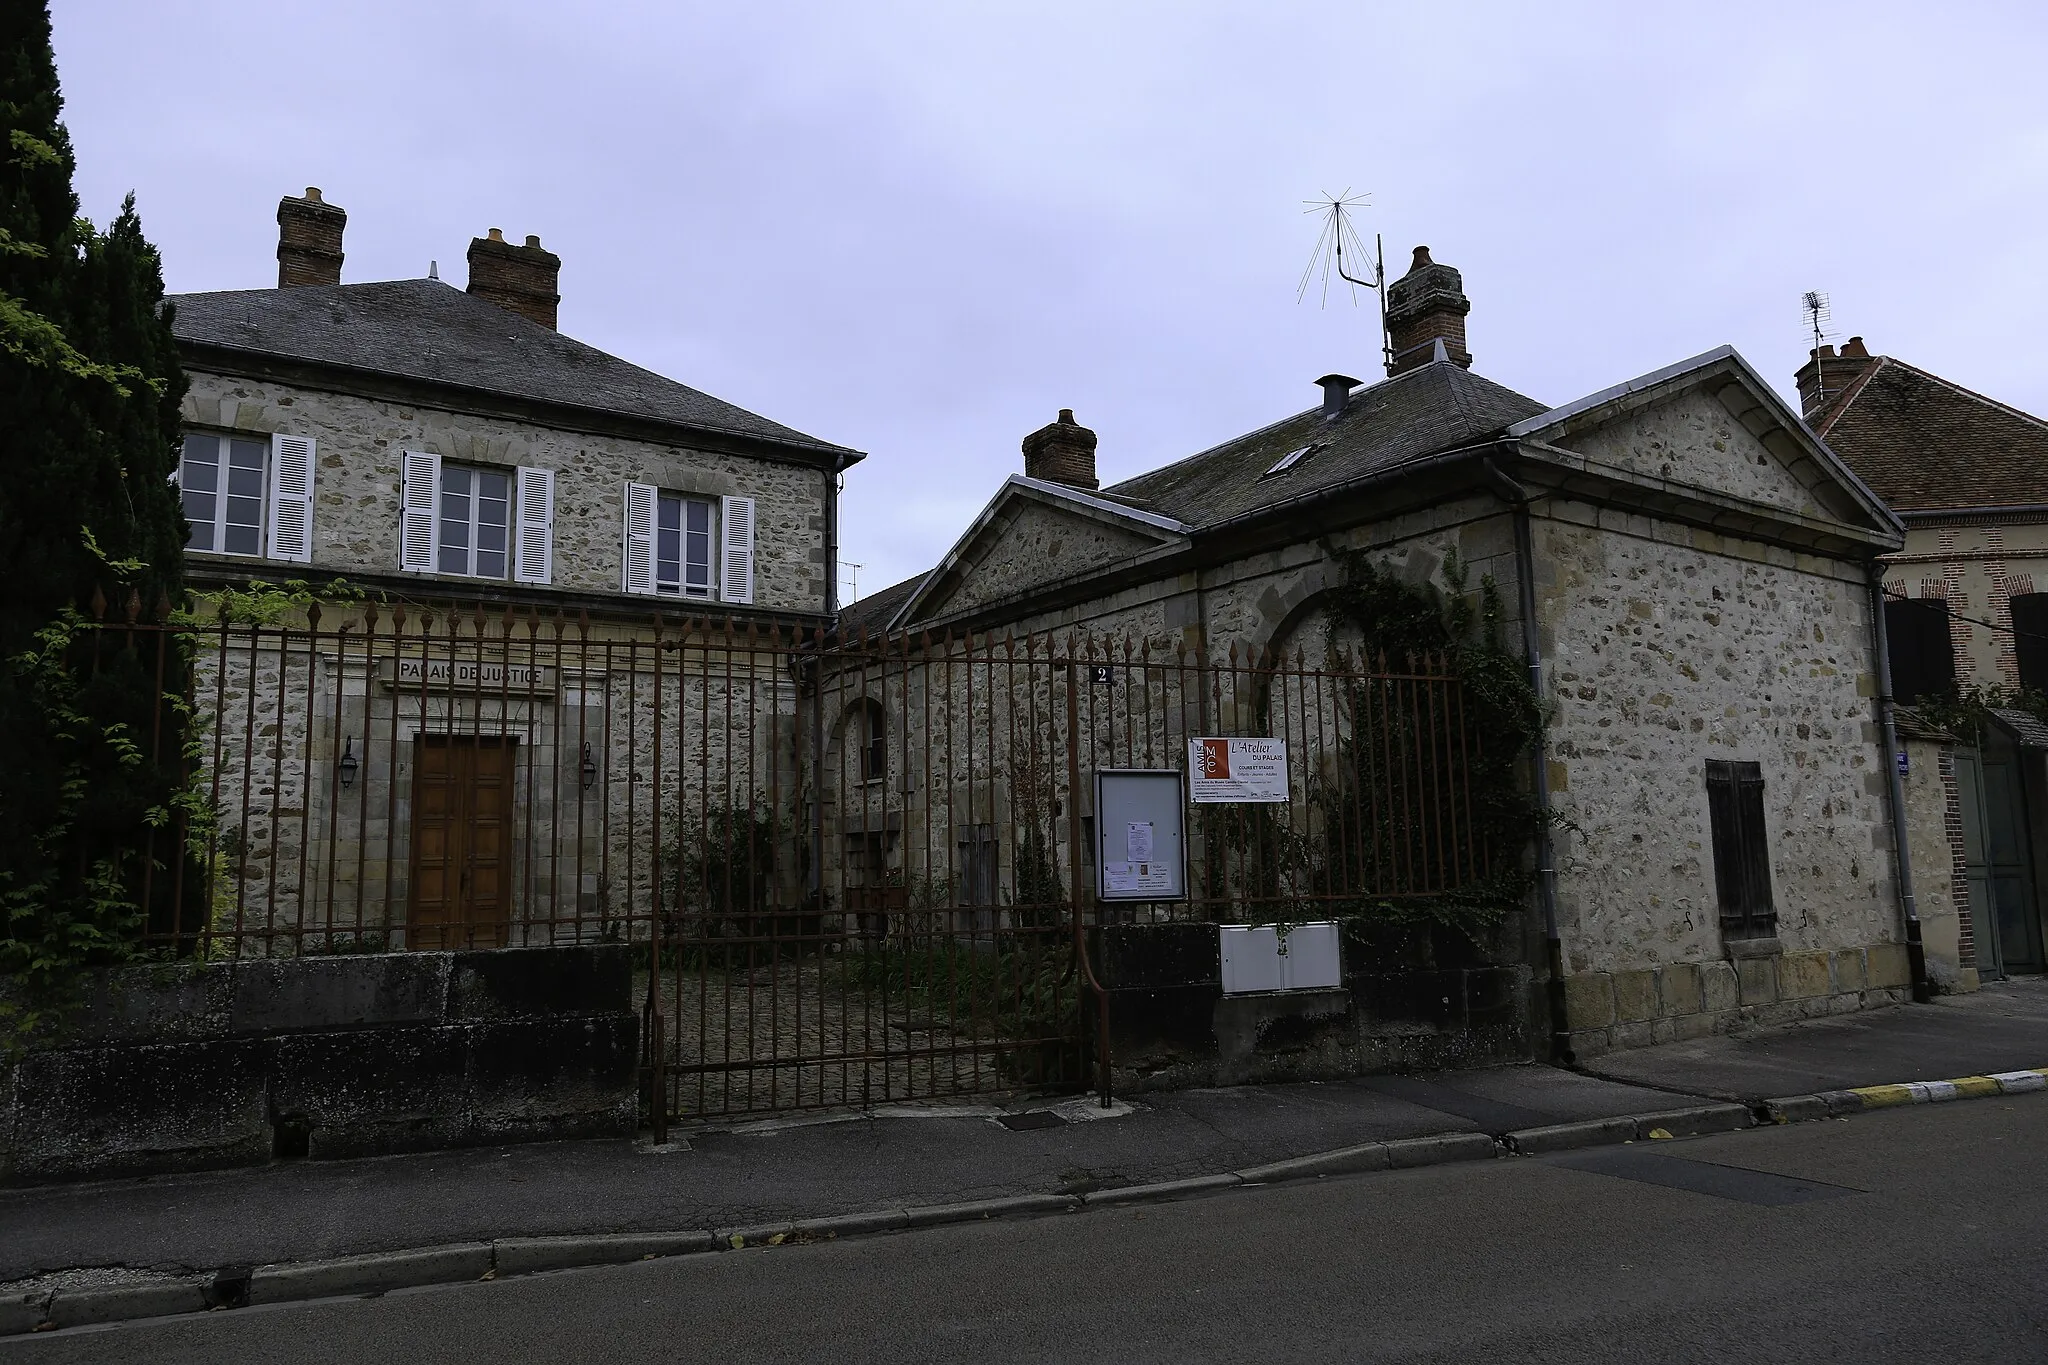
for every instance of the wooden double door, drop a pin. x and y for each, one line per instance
(461, 841)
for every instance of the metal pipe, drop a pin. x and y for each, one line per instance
(1517, 498)
(1916, 951)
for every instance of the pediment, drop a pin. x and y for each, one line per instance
(1033, 535)
(1711, 424)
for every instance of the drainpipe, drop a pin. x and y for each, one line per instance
(1517, 497)
(833, 481)
(1909, 908)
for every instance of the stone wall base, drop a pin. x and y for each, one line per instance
(194, 1065)
(1686, 1000)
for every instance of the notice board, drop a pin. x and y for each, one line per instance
(1140, 835)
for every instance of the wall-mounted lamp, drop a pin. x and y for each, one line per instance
(589, 768)
(348, 764)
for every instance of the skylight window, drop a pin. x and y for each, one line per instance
(1293, 458)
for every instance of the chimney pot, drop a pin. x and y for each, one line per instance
(1336, 394)
(1426, 311)
(520, 279)
(532, 239)
(1063, 452)
(309, 234)
(1826, 376)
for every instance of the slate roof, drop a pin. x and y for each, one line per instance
(1926, 445)
(873, 612)
(429, 331)
(1438, 407)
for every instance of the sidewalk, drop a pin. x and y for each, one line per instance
(2003, 1027)
(892, 1159)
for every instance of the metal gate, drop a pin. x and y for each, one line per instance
(849, 871)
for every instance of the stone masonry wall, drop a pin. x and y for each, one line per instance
(1666, 647)
(357, 483)
(1934, 835)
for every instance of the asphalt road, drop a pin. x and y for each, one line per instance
(1911, 1235)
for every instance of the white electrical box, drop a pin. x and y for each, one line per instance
(1257, 957)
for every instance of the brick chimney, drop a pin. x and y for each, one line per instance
(1825, 375)
(521, 279)
(1062, 453)
(1425, 306)
(308, 240)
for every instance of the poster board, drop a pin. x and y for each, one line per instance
(1140, 835)
(1237, 769)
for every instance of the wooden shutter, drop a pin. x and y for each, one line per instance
(639, 560)
(1922, 653)
(2030, 639)
(291, 498)
(533, 559)
(1742, 852)
(418, 527)
(736, 550)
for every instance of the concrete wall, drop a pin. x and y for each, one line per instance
(194, 1065)
(1172, 1027)
(357, 484)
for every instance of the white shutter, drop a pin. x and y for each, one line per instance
(640, 537)
(418, 527)
(533, 559)
(736, 550)
(291, 498)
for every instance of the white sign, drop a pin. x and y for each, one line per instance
(1138, 841)
(1237, 770)
(467, 673)
(1137, 880)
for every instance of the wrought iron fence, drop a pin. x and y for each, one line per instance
(855, 870)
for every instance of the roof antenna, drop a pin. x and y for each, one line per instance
(1814, 305)
(1329, 252)
(433, 270)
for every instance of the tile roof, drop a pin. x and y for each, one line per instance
(1437, 407)
(873, 612)
(429, 331)
(1926, 445)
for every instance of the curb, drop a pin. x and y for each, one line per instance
(380, 1272)
(1829, 1104)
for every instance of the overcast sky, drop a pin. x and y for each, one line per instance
(921, 229)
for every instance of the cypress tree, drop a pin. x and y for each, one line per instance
(91, 390)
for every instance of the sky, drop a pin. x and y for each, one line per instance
(921, 229)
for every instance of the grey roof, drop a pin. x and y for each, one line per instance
(1437, 407)
(432, 332)
(2024, 726)
(874, 612)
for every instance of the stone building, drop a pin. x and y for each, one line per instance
(1690, 568)
(1967, 612)
(532, 539)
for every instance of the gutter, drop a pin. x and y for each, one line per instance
(1517, 497)
(1909, 909)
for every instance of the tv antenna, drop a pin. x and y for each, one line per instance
(1335, 234)
(1813, 305)
(852, 576)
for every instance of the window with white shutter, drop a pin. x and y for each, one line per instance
(224, 482)
(291, 498)
(533, 560)
(416, 518)
(639, 556)
(736, 550)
